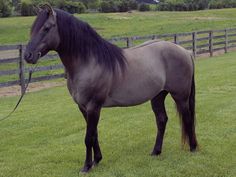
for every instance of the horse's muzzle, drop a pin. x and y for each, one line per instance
(31, 58)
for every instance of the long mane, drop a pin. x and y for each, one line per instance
(80, 40)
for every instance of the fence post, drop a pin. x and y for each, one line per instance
(129, 42)
(21, 69)
(176, 39)
(211, 43)
(153, 37)
(194, 36)
(226, 41)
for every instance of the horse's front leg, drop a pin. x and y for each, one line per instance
(91, 115)
(96, 147)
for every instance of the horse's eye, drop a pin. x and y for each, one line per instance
(46, 29)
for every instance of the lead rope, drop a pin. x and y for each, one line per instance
(22, 95)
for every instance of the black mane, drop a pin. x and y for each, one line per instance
(78, 39)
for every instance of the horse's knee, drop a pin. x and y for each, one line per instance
(162, 118)
(88, 141)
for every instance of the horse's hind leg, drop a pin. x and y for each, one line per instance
(188, 124)
(158, 107)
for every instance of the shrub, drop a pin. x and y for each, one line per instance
(123, 6)
(133, 5)
(183, 5)
(218, 4)
(27, 8)
(108, 6)
(144, 7)
(5, 8)
(71, 7)
(118, 6)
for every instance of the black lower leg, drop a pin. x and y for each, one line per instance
(158, 107)
(91, 138)
(88, 161)
(96, 147)
(97, 151)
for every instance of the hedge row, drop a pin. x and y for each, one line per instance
(219, 4)
(190, 5)
(5, 8)
(118, 6)
(27, 7)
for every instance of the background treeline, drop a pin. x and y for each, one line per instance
(190, 5)
(26, 7)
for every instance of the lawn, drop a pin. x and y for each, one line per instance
(15, 30)
(45, 137)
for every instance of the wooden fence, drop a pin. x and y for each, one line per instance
(200, 42)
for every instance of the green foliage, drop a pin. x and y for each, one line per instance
(144, 7)
(133, 5)
(108, 6)
(117, 6)
(189, 5)
(91, 4)
(123, 6)
(27, 8)
(71, 7)
(5, 8)
(183, 5)
(219, 4)
(80, 6)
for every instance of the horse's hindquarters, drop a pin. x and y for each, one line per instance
(152, 68)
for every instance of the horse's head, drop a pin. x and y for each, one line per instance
(44, 35)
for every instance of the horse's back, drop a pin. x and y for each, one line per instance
(177, 63)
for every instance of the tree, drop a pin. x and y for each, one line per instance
(5, 8)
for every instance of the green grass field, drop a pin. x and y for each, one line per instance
(16, 29)
(45, 137)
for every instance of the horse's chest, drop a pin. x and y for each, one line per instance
(76, 90)
(87, 85)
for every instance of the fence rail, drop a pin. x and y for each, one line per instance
(199, 42)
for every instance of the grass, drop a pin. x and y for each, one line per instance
(16, 29)
(45, 137)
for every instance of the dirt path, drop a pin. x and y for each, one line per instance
(33, 87)
(9, 54)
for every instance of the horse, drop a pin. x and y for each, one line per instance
(100, 74)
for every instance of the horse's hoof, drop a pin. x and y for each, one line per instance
(156, 153)
(97, 160)
(193, 149)
(86, 169)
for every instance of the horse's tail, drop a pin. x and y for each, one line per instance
(192, 99)
(192, 109)
(190, 126)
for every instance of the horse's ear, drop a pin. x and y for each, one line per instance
(49, 9)
(37, 9)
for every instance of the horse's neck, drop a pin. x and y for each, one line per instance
(71, 64)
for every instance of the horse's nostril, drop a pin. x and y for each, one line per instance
(28, 55)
